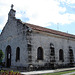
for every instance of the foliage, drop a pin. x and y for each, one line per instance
(1, 56)
(2, 72)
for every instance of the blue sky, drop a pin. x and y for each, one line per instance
(53, 14)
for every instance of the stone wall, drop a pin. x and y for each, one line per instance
(14, 35)
(42, 39)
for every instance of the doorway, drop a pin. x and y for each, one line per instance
(8, 56)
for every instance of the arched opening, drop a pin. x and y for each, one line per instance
(71, 58)
(17, 54)
(8, 56)
(39, 53)
(61, 57)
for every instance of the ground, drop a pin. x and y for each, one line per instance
(61, 73)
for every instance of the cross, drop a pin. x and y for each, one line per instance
(12, 6)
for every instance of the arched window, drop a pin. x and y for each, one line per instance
(39, 53)
(61, 57)
(17, 54)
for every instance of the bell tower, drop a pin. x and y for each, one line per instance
(11, 12)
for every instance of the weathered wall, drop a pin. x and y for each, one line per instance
(14, 35)
(42, 39)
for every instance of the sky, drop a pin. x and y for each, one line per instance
(54, 14)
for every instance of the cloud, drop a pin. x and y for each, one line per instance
(39, 12)
(68, 1)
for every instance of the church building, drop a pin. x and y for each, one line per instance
(30, 46)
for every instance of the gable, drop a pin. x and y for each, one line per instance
(14, 27)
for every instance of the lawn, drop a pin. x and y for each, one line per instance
(60, 73)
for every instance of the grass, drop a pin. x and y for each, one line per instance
(59, 73)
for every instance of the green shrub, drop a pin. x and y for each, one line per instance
(1, 56)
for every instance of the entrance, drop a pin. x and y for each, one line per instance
(8, 56)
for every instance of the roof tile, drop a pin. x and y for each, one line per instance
(39, 28)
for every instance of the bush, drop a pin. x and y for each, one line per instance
(1, 56)
(2, 72)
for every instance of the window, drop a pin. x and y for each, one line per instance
(39, 53)
(61, 55)
(17, 54)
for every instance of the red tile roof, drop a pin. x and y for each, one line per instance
(39, 28)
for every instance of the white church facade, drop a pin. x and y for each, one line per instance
(26, 45)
